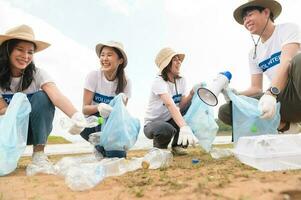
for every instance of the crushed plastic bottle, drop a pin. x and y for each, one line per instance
(94, 138)
(33, 169)
(63, 165)
(84, 176)
(157, 158)
(92, 121)
(218, 153)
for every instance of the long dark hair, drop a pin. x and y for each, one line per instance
(120, 75)
(6, 49)
(166, 70)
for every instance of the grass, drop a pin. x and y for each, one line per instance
(57, 140)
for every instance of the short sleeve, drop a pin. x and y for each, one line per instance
(159, 86)
(290, 34)
(42, 77)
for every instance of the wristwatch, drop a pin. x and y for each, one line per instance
(274, 91)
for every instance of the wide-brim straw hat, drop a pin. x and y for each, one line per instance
(114, 44)
(164, 57)
(23, 32)
(273, 5)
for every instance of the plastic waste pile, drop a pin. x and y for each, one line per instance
(85, 172)
(65, 123)
(270, 152)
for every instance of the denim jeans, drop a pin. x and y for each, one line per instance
(40, 118)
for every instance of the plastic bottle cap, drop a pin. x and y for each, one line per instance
(100, 120)
(227, 74)
(195, 161)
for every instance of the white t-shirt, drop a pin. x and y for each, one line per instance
(104, 90)
(156, 110)
(40, 77)
(268, 53)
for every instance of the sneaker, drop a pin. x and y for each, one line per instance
(290, 128)
(179, 151)
(40, 159)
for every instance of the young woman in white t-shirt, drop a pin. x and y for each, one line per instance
(169, 99)
(102, 85)
(18, 73)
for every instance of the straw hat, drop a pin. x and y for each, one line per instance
(273, 5)
(23, 32)
(164, 57)
(117, 45)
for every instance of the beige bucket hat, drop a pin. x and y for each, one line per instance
(164, 57)
(23, 32)
(117, 45)
(273, 5)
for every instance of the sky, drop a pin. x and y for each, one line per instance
(204, 30)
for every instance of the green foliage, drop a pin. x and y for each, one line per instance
(57, 140)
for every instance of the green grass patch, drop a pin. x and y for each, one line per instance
(57, 140)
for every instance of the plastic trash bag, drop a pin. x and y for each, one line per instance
(200, 118)
(14, 130)
(246, 117)
(120, 130)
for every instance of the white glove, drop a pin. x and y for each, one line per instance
(94, 138)
(104, 110)
(225, 93)
(267, 105)
(186, 136)
(79, 123)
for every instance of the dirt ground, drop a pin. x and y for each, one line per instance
(225, 178)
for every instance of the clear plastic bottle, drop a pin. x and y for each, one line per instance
(84, 176)
(157, 158)
(218, 153)
(92, 121)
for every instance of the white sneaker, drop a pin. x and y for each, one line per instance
(293, 128)
(40, 159)
(40, 164)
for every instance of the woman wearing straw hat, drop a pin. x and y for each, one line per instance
(18, 73)
(169, 96)
(276, 53)
(102, 85)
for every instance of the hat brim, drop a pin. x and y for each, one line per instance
(100, 45)
(274, 6)
(40, 45)
(166, 61)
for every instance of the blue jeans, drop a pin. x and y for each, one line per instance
(40, 118)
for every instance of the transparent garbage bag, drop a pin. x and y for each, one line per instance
(120, 130)
(200, 118)
(14, 131)
(246, 117)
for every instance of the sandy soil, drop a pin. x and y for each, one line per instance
(225, 178)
